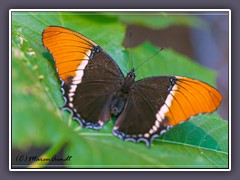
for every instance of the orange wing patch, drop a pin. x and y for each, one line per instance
(69, 49)
(190, 97)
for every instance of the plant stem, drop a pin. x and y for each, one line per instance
(45, 158)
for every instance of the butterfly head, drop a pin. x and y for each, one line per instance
(128, 82)
(131, 74)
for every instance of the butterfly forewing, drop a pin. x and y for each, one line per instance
(68, 48)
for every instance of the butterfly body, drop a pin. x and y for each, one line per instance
(94, 89)
(121, 95)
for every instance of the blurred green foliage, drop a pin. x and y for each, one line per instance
(202, 142)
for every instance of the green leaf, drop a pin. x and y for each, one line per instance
(202, 142)
(34, 118)
(189, 145)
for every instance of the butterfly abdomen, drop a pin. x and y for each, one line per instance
(117, 105)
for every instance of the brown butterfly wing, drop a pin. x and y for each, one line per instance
(88, 73)
(157, 103)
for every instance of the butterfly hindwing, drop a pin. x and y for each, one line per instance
(88, 73)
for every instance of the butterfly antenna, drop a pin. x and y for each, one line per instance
(148, 59)
(131, 51)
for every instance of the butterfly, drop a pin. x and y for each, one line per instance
(95, 89)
